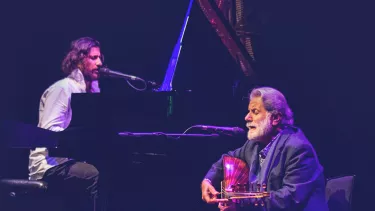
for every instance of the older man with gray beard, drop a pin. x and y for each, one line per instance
(278, 154)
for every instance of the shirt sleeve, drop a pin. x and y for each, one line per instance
(55, 108)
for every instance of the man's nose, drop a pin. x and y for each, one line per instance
(248, 117)
(99, 62)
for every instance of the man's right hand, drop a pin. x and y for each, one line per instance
(209, 194)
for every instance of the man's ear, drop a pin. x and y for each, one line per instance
(276, 119)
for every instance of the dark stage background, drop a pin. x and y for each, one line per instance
(319, 54)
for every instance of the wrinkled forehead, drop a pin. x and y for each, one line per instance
(256, 102)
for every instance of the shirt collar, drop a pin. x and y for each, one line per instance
(263, 153)
(77, 76)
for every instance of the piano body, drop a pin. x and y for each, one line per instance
(139, 147)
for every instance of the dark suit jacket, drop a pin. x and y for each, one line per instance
(291, 170)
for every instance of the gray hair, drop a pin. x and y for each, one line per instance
(275, 103)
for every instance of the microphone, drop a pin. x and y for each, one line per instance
(235, 130)
(115, 74)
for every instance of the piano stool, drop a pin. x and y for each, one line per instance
(23, 194)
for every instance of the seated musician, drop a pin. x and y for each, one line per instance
(76, 181)
(278, 155)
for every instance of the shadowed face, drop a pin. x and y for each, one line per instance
(91, 64)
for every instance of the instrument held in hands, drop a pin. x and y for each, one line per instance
(235, 186)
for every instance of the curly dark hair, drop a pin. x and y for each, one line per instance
(79, 49)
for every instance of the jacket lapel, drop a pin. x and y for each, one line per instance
(253, 162)
(274, 152)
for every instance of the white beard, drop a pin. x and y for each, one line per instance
(262, 130)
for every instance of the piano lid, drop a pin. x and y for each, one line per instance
(228, 18)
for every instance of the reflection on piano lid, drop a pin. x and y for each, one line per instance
(228, 19)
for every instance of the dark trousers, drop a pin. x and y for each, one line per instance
(76, 183)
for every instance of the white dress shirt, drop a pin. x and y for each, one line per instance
(55, 114)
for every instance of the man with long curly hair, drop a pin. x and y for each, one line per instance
(77, 181)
